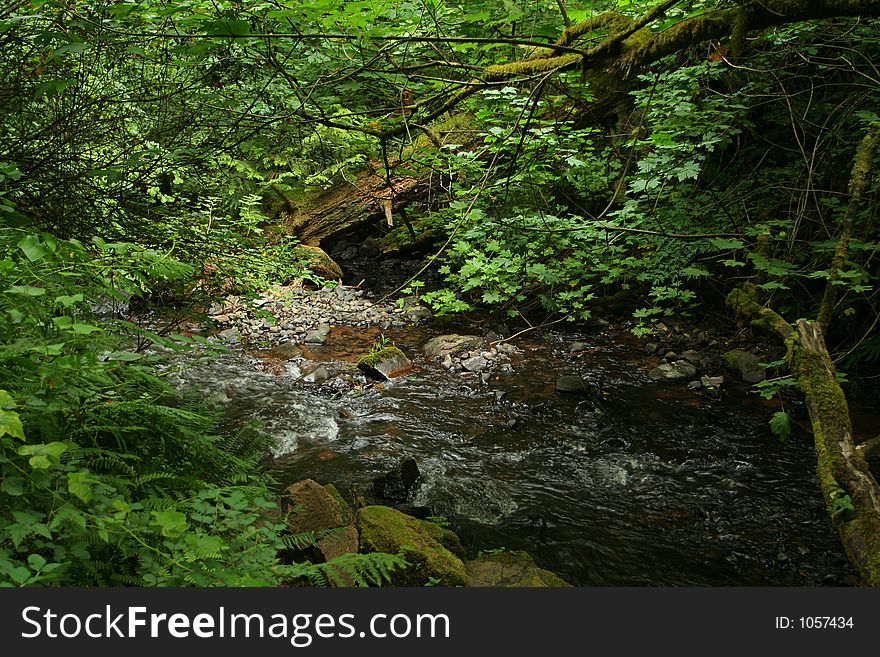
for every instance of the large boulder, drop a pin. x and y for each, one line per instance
(312, 507)
(385, 363)
(322, 511)
(425, 545)
(746, 364)
(449, 344)
(510, 569)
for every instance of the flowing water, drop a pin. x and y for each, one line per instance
(655, 485)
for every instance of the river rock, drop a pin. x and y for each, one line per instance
(712, 386)
(383, 529)
(509, 569)
(694, 385)
(317, 375)
(475, 364)
(680, 370)
(396, 486)
(344, 540)
(418, 314)
(313, 507)
(230, 334)
(693, 356)
(746, 364)
(384, 364)
(572, 384)
(449, 344)
(318, 335)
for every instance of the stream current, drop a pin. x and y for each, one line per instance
(654, 485)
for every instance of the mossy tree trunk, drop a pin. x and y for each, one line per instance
(851, 492)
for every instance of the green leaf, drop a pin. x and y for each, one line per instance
(780, 425)
(124, 356)
(171, 523)
(68, 513)
(6, 401)
(13, 486)
(68, 301)
(843, 506)
(725, 245)
(78, 483)
(43, 456)
(20, 575)
(228, 27)
(36, 562)
(10, 424)
(26, 290)
(33, 248)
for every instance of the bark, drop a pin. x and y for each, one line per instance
(350, 204)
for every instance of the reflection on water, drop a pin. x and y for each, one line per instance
(655, 486)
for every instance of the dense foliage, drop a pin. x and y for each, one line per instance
(155, 151)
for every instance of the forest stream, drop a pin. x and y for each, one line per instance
(652, 485)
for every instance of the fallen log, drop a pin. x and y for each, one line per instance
(367, 198)
(851, 493)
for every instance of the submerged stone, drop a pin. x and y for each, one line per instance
(571, 384)
(680, 370)
(396, 486)
(318, 335)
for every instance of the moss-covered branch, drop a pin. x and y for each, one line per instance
(744, 302)
(851, 493)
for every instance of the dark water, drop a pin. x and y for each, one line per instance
(654, 486)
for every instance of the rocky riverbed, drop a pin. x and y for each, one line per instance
(608, 458)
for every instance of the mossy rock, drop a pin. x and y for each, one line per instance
(385, 363)
(746, 363)
(318, 262)
(510, 569)
(445, 537)
(383, 529)
(317, 508)
(344, 508)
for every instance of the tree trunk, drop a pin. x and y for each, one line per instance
(851, 493)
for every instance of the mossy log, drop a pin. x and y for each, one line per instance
(351, 203)
(851, 492)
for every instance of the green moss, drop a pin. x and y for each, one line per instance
(318, 261)
(531, 66)
(745, 305)
(383, 529)
(377, 356)
(344, 508)
(510, 569)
